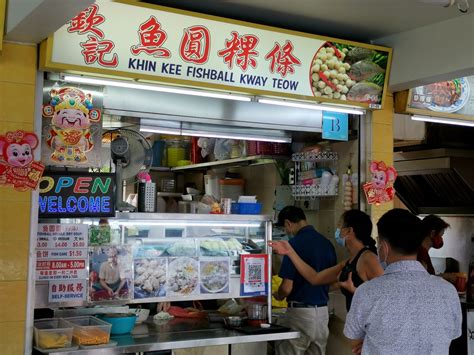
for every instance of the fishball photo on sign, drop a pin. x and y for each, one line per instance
(110, 272)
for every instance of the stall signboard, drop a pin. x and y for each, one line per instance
(450, 99)
(67, 291)
(149, 42)
(253, 275)
(67, 194)
(61, 251)
(72, 126)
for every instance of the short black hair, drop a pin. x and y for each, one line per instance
(362, 225)
(292, 213)
(433, 223)
(402, 230)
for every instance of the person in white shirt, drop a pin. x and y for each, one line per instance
(406, 310)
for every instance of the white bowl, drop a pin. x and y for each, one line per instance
(142, 314)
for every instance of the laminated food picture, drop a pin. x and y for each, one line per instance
(150, 277)
(348, 73)
(214, 275)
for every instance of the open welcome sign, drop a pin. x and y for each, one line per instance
(65, 194)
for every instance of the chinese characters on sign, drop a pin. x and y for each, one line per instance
(154, 44)
(195, 45)
(282, 60)
(240, 48)
(67, 291)
(61, 252)
(152, 38)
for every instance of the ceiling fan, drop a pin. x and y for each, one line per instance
(463, 5)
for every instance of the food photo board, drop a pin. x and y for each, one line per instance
(450, 98)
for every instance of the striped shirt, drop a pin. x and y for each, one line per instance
(405, 311)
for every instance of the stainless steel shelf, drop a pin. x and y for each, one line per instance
(252, 160)
(179, 334)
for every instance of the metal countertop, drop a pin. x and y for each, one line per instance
(179, 333)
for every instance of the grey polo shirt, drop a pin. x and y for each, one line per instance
(405, 311)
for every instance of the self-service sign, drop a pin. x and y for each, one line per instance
(65, 195)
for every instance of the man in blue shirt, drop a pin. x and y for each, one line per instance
(307, 304)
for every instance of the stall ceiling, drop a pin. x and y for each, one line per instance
(361, 20)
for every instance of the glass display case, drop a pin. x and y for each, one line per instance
(168, 257)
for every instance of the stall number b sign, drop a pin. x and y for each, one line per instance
(335, 126)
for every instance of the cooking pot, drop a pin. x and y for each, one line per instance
(257, 311)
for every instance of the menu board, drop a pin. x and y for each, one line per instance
(172, 269)
(451, 98)
(61, 252)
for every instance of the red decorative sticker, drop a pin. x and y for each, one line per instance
(241, 50)
(70, 134)
(17, 167)
(380, 189)
(152, 37)
(87, 21)
(282, 59)
(195, 45)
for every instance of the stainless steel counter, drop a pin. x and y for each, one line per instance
(180, 333)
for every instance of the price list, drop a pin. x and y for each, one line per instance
(61, 252)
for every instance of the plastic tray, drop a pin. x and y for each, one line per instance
(52, 333)
(246, 208)
(88, 330)
(249, 329)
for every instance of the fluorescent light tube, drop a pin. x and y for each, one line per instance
(171, 90)
(231, 136)
(310, 106)
(443, 120)
(185, 223)
(159, 130)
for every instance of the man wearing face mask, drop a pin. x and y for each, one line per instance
(307, 305)
(406, 310)
(433, 230)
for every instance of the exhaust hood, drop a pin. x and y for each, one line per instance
(436, 181)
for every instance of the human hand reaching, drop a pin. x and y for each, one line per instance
(281, 247)
(348, 284)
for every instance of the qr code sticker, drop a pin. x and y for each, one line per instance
(255, 273)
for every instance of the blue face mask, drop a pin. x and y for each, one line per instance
(339, 240)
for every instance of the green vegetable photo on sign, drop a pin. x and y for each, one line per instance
(348, 73)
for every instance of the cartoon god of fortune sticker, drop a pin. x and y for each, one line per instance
(17, 167)
(70, 133)
(380, 189)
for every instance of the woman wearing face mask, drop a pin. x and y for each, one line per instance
(433, 230)
(354, 234)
